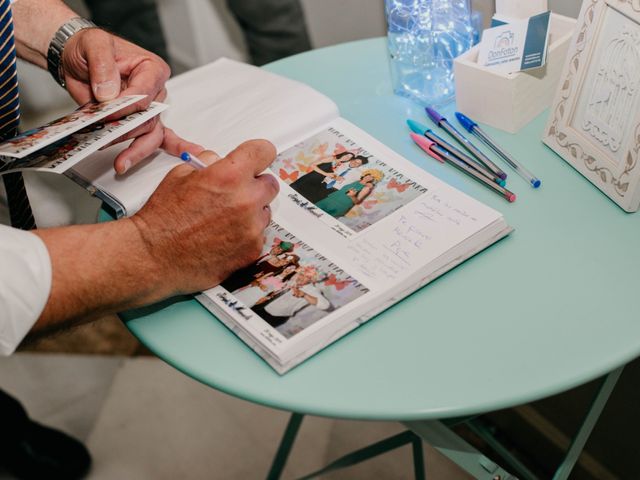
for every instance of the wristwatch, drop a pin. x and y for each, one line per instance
(58, 42)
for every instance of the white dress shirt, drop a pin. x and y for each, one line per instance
(288, 304)
(347, 175)
(25, 283)
(25, 266)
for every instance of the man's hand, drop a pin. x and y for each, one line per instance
(197, 228)
(99, 66)
(202, 225)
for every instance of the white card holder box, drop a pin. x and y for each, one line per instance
(510, 101)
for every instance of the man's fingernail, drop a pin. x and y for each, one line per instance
(127, 166)
(106, 91)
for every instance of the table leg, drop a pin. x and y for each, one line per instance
(286, 444)
(477, 427)
(374, 450)
(418, 458)
(474, 462)
(579, 441)
(449, 444)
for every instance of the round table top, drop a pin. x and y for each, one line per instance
(546, 309)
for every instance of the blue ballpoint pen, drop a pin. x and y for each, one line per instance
(473, 127)
(192, 160)
(464, 141)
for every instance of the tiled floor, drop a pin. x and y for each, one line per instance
(143, 420)
(63, 391)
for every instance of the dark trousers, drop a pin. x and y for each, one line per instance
(267, 317)
(13, 418)
(134, 20)
(273, 29)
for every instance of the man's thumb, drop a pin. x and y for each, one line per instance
(104, 75)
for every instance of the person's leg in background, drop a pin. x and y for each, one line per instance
(273, 29)
(136, 20)
(29, 450)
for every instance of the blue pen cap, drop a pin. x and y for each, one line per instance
(466, 122)
(417, 127)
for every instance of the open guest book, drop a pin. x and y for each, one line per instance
(355, 227)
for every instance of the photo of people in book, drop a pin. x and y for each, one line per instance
(341, 179)
(291, 286)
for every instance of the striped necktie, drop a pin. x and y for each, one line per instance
(19, 208)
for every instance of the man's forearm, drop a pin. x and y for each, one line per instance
(198, 227)
(35, 23)
(98, 269)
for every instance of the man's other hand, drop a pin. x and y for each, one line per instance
(201, 225)
(99, 66)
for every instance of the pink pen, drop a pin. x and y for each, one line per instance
(425, 144)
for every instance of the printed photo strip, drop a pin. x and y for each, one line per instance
(61, 155)
(59, 152)
(32, 140)
(341, 183)
(290, 286)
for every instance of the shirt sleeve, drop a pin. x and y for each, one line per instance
(25, 283)
(323, 303)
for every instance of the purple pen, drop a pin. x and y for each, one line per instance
(462, 140)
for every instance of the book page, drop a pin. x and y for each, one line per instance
(353, 223)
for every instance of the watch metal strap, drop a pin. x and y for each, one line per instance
(58, 42)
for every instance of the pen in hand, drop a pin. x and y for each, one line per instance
(192, 160)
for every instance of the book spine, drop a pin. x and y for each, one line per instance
(110, 203)
(6, 163)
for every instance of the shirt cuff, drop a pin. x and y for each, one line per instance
(25, 284)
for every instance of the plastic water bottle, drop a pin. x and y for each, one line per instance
(424, 36)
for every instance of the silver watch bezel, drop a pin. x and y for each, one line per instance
(58, 42)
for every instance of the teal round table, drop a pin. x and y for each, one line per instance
(547, 309)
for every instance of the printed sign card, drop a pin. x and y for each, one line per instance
(516, 46)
